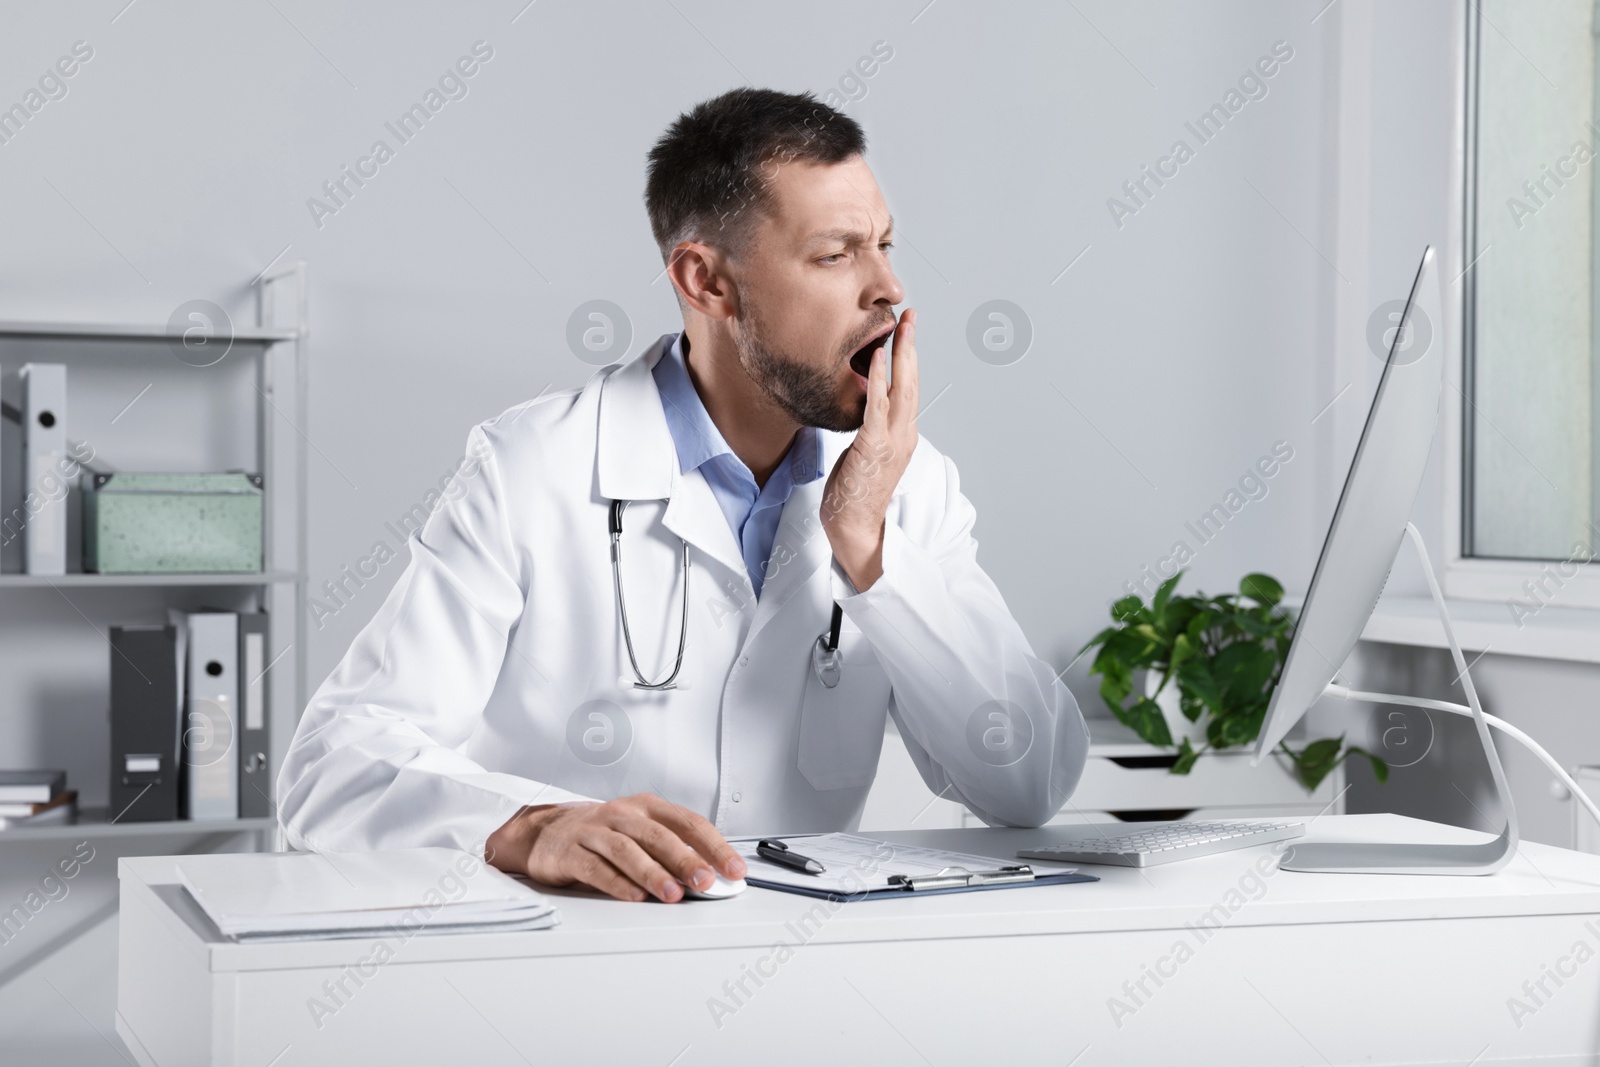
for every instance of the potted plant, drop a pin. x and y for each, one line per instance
(1224, 654)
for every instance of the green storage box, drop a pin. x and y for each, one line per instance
(172, 523)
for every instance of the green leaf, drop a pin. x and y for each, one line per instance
(1136, 646)
(1316, 760)
(1262, 588)
(1116, 680)
(1250, 719)
(1158, 606)
(1380, 768)
(1097, 639)
(1182, 650)
(1127, 609)
(1311, 776)
(1235, 728)
(1148, 631)
(1145, 719)
(1180, 612)
(1203, 620)
(1187, 754)
(1242, 670)
(1257, 627)
(1196, 679)
(1322, 751)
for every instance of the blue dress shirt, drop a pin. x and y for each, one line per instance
(752, 511)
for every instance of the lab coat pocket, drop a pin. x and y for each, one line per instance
(841, 729)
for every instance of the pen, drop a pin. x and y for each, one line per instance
(779, 853)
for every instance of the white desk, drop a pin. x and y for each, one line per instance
(1318, 969)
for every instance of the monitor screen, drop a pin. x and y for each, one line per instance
(1370, 519)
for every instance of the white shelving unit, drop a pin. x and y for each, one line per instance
(204, 413)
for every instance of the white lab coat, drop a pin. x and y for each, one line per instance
(492, 675)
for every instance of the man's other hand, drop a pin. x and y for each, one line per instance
(630, 848)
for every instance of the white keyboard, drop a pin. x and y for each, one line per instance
(1147, 844)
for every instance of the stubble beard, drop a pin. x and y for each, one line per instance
(808, 394)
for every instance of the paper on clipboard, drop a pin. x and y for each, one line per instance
(858, 864)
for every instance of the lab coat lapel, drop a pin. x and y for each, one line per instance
(636, 460)
(694, 515)
(634, 454)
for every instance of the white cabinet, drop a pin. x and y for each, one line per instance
(1123, 777)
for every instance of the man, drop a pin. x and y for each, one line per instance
(763, 466)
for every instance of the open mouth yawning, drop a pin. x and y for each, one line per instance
(861, 362)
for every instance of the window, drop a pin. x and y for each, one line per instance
(1530, 432)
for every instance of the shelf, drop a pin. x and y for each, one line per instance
(101, 331)
(264, 403)
(1489, 626)
(95, 822)
(115, 581)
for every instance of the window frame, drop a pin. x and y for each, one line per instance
(1466, 576)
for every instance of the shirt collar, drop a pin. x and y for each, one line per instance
(695, 435)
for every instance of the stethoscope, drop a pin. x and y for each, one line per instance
(825, 658)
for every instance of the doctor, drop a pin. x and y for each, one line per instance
(764, 466)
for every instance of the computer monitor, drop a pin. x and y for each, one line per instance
(1370, 520)
(1368, 525)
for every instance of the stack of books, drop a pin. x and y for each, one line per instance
(36, 798)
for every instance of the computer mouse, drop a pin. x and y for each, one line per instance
(720, 889)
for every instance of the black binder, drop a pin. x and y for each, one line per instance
(145, 724)
(255, 715)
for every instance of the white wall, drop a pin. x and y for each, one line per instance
(1222, 317)
(1189, 340)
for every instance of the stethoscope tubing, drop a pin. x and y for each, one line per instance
(825, 654)
(670, 682)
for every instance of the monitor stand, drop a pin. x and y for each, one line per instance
(1382, 857)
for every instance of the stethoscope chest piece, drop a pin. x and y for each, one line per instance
(825, 661)
(825, 653)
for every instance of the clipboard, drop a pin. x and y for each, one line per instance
(904, 892)
(922, 871)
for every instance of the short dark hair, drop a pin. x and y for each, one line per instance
(708, 173)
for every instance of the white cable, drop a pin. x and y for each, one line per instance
(1346, 693)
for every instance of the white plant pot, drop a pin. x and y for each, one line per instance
(1178, 725)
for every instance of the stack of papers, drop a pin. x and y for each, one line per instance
(299, 896)
(59, 811)
(36, 798)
